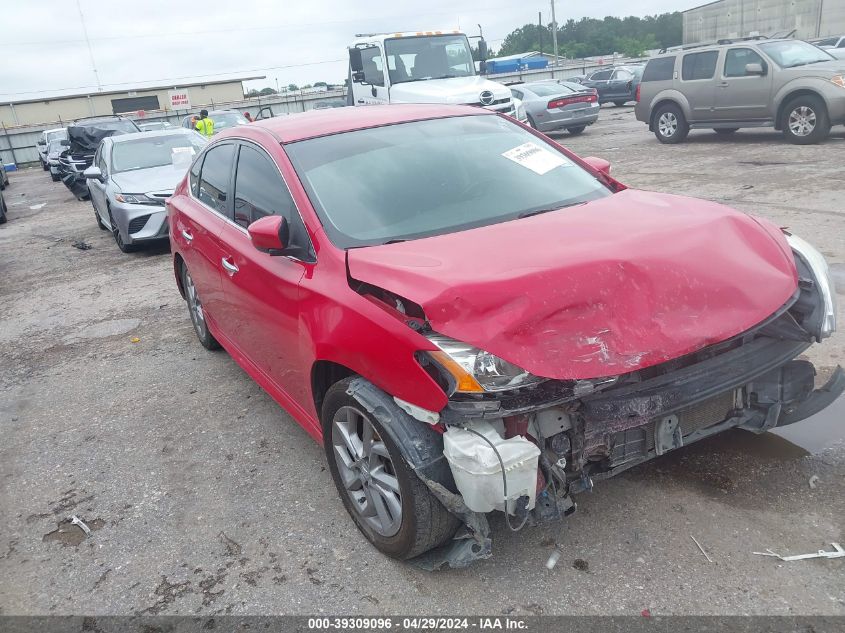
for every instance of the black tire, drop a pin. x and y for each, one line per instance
(805, 120)
(118, 238)
(670, 126)
(55, 177)
(725, 131)
(45, 166)
(205, 336)
(425, 523)
(619, 104)
(575, 131)
(3, 210)
(530, 122)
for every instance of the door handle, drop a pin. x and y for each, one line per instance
(724, 84)
(229, 265)
(187, 235)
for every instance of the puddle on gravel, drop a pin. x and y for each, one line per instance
(103, 329)
(69, 534)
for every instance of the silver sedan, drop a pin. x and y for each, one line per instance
(131, 177)
(556, 106)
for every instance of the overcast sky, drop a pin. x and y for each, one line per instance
(43, 49)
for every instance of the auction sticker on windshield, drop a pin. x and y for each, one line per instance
(536, 158)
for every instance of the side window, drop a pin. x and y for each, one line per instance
(660, 69)
(214, 178)
(601, 75)
(737, 58)
(517, 94)
(259, 189)
(622, 74)
(699, 65)
(373, 71)
(98, 158)
(195, 175)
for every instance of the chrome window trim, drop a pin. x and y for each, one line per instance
(234, 180)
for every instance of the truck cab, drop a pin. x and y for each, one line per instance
(421, 67)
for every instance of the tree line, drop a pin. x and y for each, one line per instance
(589, 37)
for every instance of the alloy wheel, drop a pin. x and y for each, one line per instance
(194, 305)
(802, 121)
(366, 470)
(667, 124)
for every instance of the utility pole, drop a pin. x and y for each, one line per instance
(554, 31)
(88, 42)
(540, 29)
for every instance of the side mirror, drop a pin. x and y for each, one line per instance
(754, 69)
(355, 61)
(270, 234)
(482, 50)
(94, 173)
(599, 164)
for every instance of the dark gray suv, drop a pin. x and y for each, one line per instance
(790, 85)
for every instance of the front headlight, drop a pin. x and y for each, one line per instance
(132, 198)
(839, 80)
(818, 266)
(477, 371)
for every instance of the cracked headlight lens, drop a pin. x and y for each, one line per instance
(818, 266)
(477, 371)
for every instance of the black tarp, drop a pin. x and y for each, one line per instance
(84, 139)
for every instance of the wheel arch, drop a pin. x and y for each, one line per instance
(666, 100)
(794, 93)
(324, 374)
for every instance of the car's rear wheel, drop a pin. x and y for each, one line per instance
(118, 238)
(670, 126)
(725, 131)
(196, 311)
(575, 131)
(805, 120)
(391, 506)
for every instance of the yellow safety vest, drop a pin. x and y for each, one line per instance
(205, 126)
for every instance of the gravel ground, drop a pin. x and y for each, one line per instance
(205, 497)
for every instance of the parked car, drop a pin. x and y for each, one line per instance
(617, 85)
(790, 85)
(131, 177)
(4, 176)
(54, 152)
(58, 133)
(442, 389)
(84, 136)
(836, 41)
(223, 120)
(150, 126)
(3, 209)
(552, 106)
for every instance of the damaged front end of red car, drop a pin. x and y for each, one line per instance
(520, 438)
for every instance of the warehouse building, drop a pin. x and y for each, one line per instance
(187, 97)
(740, 18)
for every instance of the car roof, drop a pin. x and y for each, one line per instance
(696, 48)
(122, 138)
(327, 121)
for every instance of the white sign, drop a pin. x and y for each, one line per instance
(179, 99)
(536, 158)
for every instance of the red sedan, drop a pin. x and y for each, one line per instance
(471, 318)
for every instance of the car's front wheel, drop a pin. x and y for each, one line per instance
(2, 210)
(805, 120)
(195, 309)
(118, 238)
(391, 506)
(670, 125)
(45, 166)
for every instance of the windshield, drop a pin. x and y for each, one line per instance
(225, 120)
(56, 135)
(792, 53)
(435, 57)
(55, 147)
(155, 151)
(425, 178)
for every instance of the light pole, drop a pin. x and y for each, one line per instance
(554, 31)
(90, 50)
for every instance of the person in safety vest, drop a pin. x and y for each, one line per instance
(204, 125)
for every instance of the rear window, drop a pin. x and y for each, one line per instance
(659, 69)
(549, 89)
(699, 65)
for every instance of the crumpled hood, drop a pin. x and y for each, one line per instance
(454, 90)
(154, 179)
(601, 289)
